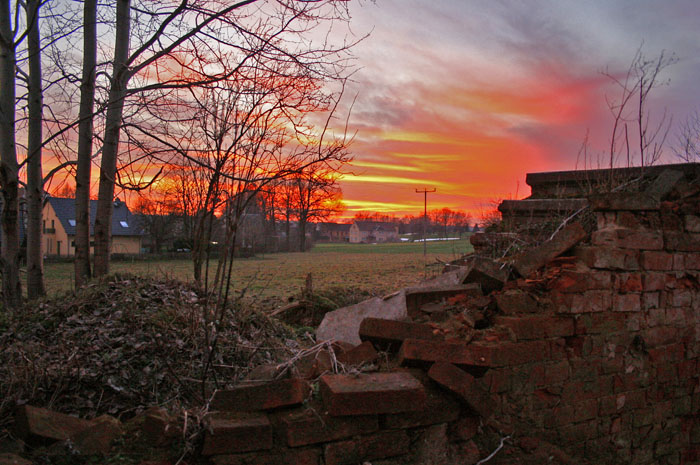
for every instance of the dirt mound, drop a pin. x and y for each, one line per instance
(125, 343)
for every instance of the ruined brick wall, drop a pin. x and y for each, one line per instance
(590, 356)
(612, 340)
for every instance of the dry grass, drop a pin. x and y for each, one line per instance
(373, 269)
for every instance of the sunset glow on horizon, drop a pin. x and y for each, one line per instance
(467, 97)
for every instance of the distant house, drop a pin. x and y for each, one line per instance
(59, 228)
(373, 231)
(333, 232)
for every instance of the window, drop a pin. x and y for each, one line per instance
(71, 222)
(124, 224)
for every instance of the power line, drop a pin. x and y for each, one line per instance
(425, 193)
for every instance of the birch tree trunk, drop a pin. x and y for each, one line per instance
(85, 133)
(9, 182)
(35, 189)
(108, 166)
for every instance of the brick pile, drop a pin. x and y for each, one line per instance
(585, 350)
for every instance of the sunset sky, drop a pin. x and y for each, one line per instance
(468, 96)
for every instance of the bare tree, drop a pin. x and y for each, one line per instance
(688, 144)
(9, 168)
(85, 135)
(316, 197)
(630, 107)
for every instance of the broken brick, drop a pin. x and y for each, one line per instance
(531, 260)
(364, 353)
(439, 408)
(275, 457)
(305, 427)
(465, 386)
(99, 437)
(489, 274)
(387, 332)
(34, 424)
(266, 396)
(378, 446)
(421, 353)
(229, 433)
(538, 326)
(372, 393)
(516, 301)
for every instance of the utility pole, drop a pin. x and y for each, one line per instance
(425, 193)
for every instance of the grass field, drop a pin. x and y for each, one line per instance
(372, 268)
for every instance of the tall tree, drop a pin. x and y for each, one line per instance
(9, 168)
(85, 136)
(35, 182)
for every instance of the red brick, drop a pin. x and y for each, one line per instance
(364, 353)
(230, 433)
(628, 239)
(657, 261)
(415, 352)
(39, 424)
(385, 332)
(537, 327)
(308, 426)
(608, 258)
(681, 298)
(682, 242)
(626, 303)
(466, 427)
(691, 261)
(659, 336)
(579, 281)
(372, 393)
(591, 301)
(265, 396)
(277, 457)
(465, 386)
(629, 282)
(601, 323)
(508, 354)
(438, 409)
(378, 446)
(556, 373)
(654, 281)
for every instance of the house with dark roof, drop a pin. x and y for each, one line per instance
(373, 231)
(59, 228)
(332, 232)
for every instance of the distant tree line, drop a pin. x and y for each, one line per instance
(442, 222)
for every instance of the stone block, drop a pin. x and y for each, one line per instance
(267, 396)
(565, 239)
(233, 432)
(372, 393)
(304, 427)
(344, 324)
(465, 386)
(34, 424)
(365, 448)
(390, 333)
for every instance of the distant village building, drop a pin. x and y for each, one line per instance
(333, 232)
(373, 231)
(59, 228)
